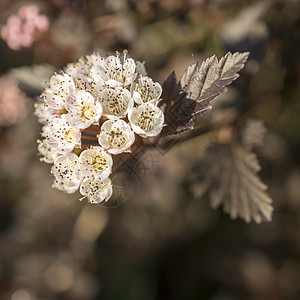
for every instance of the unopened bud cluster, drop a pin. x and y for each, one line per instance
(92, 111)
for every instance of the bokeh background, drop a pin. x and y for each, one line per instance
(163, 241)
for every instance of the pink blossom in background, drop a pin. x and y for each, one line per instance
(20, 29)
(13, 102)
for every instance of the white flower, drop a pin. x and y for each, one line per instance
(83, 110)
(116, 102)
(62, 187)
(59, 88)
(145, 90)
(73, 103)
(61, 135)
(95, 60)
(44, 112)
(79, 70)
(65, 171)
(146, 119)
(97, 69)
(49, 154)
(116, 136)
(95, 162)
(113, 71)
(96, 189)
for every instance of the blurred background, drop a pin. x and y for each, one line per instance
(163, 241)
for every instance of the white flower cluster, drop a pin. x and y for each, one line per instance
(92, 111)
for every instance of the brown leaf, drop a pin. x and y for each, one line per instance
(177, 108)
(232, 182)
(189, 99)
(208, 81)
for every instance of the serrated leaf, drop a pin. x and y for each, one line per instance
(188, 74)
(232, 182)
(205, 83)
(189, 99)
(177, 108)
